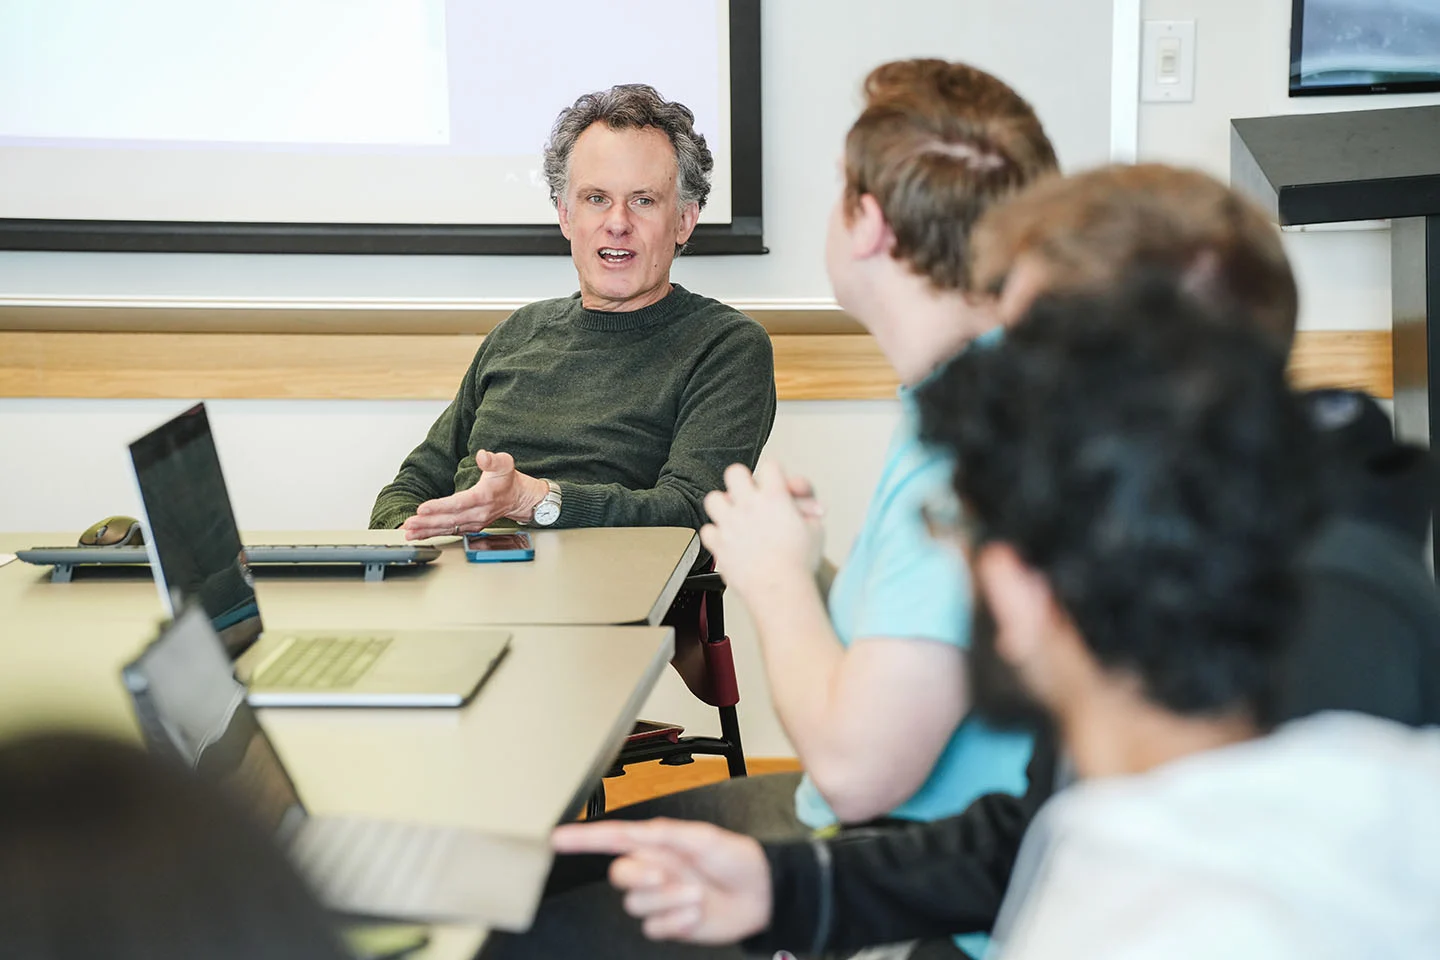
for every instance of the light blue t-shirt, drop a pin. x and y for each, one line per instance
(900, 582)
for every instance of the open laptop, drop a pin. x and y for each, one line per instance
(196, 557)
(190, 708)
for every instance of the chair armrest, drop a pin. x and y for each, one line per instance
(704, 583)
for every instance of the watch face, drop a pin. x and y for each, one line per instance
(547, 512)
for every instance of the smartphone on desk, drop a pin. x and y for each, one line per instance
(498, 547)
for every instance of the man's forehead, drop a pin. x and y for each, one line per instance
(642, 157)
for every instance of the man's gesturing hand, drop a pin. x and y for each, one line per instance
(501, 491)
(686, 881)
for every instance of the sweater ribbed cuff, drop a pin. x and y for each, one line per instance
(390, 517)
(800, 899)
(581, 506)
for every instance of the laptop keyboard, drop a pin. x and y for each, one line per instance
(323, 662)
(377, 863)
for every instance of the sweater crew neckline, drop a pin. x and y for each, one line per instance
(663, 310)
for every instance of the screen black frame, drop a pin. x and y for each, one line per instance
(744, 234)
(173, 438)
(1298, 89)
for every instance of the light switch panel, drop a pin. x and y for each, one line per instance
(1167, 62)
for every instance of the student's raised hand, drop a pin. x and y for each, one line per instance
(502, 491)
(764, 529)
(686, 881)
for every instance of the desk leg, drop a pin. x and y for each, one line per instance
(1415, 306)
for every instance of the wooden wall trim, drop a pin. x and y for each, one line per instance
(207, 315)
(808, 366)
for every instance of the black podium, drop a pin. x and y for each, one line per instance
(1365, 165)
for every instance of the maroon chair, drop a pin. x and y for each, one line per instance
(704, 660)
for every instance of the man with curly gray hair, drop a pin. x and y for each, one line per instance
(622, 404)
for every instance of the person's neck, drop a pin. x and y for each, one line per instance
(599, 304)
(1118, 732)
(918, 327)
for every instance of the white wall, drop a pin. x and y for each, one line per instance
(1242, 70)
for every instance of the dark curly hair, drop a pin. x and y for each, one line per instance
(1149, 460)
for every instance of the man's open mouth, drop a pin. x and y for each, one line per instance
(616, 255)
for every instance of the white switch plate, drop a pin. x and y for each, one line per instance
(1167, 62)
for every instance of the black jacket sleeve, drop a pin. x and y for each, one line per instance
(892, 883)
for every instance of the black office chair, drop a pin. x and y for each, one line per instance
(706, 663)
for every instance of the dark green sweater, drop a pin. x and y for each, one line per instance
(636, 415)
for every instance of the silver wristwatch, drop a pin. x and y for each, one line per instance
(547, 511)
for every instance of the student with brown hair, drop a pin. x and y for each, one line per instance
(1085, 232)
(867, 678)
(866, 665)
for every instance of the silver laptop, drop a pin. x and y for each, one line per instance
(196, 557)
(190, 708)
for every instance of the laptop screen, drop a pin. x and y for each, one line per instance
(192, 709)
(195, 549)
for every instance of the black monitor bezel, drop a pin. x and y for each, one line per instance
(744, 234)
(168, 440)
(1298, 89)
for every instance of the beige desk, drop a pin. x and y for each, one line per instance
(515, 761)
(603, 575)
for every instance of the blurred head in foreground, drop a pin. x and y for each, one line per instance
(1137, 481)
(1086, 233)
(108, 852)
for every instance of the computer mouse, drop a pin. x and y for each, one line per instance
(113, 532)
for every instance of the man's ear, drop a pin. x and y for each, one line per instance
(1019, 599)
(870, 234)
(563, 210)
(1028, 279)
(688, 218)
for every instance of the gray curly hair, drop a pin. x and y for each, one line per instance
(630, 106)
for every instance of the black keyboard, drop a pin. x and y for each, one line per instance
(362, 553)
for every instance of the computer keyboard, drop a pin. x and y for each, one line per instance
(372, 862)
(392, 553)
(374, 557)
(322, 662)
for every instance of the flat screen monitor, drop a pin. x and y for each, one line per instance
(1364, 46)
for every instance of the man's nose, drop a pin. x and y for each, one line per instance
(617, 221)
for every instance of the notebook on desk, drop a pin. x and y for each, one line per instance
(196, 558)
